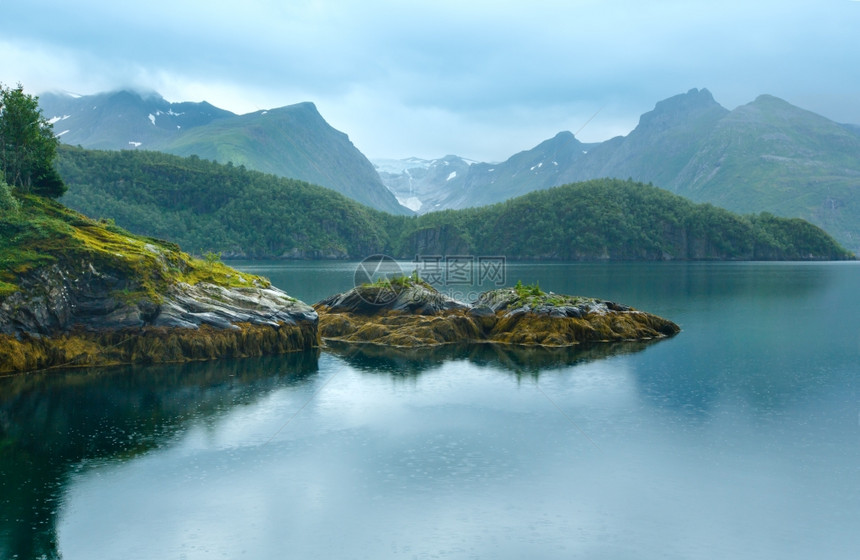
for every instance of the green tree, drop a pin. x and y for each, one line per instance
(28, 146)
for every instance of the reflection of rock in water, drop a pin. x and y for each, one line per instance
(516, 359)
(52, 423)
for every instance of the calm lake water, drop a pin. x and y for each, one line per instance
(738, 438)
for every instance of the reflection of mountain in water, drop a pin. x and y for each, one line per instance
(519, 360)
(52, 423)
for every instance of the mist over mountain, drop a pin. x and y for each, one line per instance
(293, 141)
(765, 156)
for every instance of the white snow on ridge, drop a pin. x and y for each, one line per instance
(451, 175)
(54, 120)
(135, 144)
(152, 119)
(61, 133)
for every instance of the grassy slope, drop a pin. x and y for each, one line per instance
(43, 232)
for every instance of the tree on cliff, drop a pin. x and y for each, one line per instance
(28, 146)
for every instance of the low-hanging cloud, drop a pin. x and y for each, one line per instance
(504, 75)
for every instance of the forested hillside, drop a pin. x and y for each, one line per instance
(205, 206)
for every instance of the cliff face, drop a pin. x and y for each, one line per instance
(76, 292)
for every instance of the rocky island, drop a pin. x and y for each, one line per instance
(406, 312)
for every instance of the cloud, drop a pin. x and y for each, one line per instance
(428, 78)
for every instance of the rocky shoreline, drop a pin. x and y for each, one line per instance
(74, 318)
(81, 316)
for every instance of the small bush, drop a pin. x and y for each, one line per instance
(528, 289)
(8, 203)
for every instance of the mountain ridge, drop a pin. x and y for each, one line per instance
(764, 156)
(292, 141)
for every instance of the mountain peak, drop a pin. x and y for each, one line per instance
(680, 108)
(306, 105)
(767, 98)
(563, 138)
(779, 112)
(685, 102)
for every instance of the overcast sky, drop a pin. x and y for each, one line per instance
(482, 80)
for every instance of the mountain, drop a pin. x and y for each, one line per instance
(208, 207)
(772, 156)
(293, 141)
(415, 182)
(123, 119)
(766, 156)
(855, 128)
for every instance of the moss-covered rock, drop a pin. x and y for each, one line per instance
(74, 291)
(80, 347)
(418, 315)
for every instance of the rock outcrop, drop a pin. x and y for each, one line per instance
(412, 314)
(80, 317)
(77, 292)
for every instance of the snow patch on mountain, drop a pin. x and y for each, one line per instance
(412, 202)
(397, 166)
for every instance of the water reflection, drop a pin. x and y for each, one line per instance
(519, 360)
(53, 423)
(747, 419)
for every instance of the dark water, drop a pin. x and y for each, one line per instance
(739, 438)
